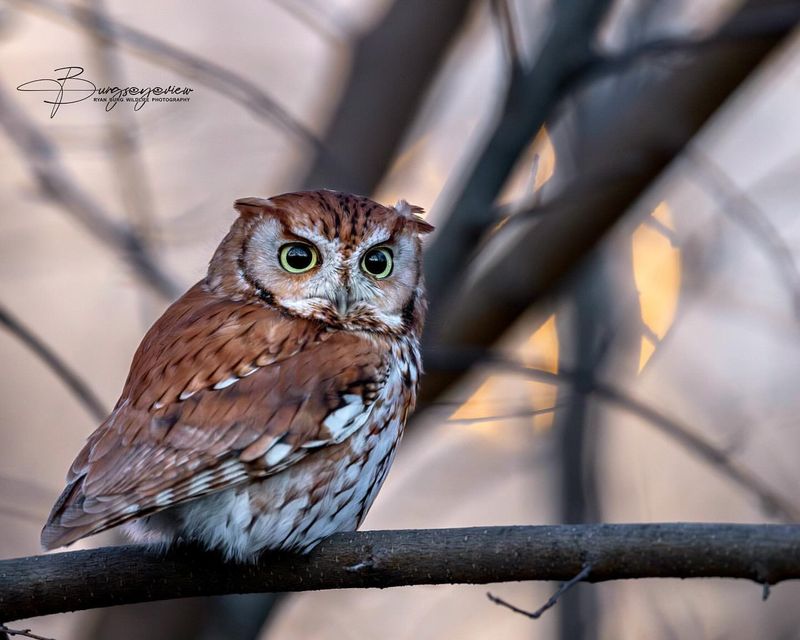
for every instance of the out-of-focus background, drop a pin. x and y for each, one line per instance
(614, 186)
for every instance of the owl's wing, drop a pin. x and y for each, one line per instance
(219, 392)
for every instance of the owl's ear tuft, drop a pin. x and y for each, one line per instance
(254, 206)
(411, 213)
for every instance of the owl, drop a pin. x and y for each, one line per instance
(264, 408)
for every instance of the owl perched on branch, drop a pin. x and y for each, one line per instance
(263, 409)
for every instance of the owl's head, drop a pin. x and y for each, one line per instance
(337, 258)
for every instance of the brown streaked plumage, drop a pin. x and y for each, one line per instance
(263, 409)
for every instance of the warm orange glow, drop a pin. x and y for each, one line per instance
(496, 394)
(416, 175)
(646, 351)
(541, 350)
(537, 166)
(657, 273)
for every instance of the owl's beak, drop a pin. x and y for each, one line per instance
(342, 301)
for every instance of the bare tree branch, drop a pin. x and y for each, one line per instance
(649, 128)
(743, 210)
(76, 385)
(504, 14)
(52, 177)
(42, 585)
(212, 75)
(530, 98)
(369, 123)
(694, 442)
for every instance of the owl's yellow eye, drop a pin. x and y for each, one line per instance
(297, 257)
(378, 262)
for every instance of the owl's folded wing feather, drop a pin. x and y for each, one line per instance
(219, 393)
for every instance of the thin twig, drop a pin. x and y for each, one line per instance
(20, 632)
(79, 389)
(664, 230)
(563, 588)
(744, 210)
(522, 413)
(328, 27)
(43, 161)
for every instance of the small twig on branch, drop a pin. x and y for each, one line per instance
(7, 631)
(552, 601)
(79, 389)
(54, 583)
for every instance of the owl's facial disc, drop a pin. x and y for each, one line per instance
(367, 283)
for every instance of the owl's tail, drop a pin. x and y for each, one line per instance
(68, 521)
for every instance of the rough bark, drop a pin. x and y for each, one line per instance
(55, 583)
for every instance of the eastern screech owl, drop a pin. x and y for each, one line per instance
(263, 409)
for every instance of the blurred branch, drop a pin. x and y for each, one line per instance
(43, 161)
(581, 330)
(77, 387)
(511, 415)
(656, 224)
(650, 126)
(503, 12)
(405, 48)
(742, 209)
(54, 583)
(124, 146)
(214, 76)
(751, 23)
(692, 441)
(718, 457)
(529, 100)
(25, 633)
(316, 19)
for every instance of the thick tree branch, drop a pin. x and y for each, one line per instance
(530, 98)
(42, 585)
(650, 128)
(405, 48)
